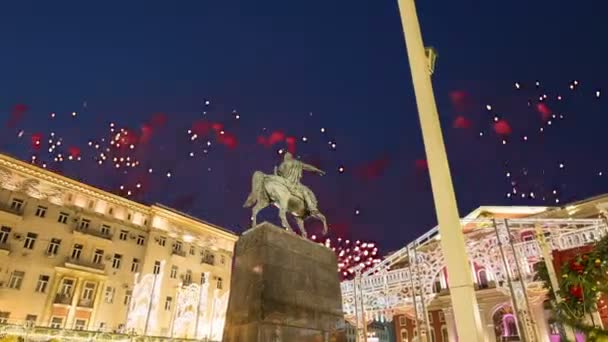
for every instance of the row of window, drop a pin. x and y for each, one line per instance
(5, 315)
(53, 248)
(30, 240)
(105, 230)
(67, 288)
(56, 322)
(98, 257)
(178, 248)
(16, 278)
(88, 293)
(17, 205)
(187, 276)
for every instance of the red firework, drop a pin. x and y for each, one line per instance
(351, 253)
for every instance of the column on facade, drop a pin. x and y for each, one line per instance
(473, 272)
(96, 304)
(174, 317)
(206, 307)
(542, 326)
(202, 305)
(48, 306)
(450, 322)
(69, 322)
(489, 331)
(444, 284)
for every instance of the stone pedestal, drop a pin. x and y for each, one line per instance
(284, 289)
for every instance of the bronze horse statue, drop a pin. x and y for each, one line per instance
(274, 189)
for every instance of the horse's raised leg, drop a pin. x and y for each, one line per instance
(317, 214)
(255, 210)
(300, 222)
(283, 217)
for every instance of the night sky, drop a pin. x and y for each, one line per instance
(150, 67)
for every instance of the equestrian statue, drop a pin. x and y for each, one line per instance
(284, 190)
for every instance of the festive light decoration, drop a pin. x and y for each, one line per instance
(144, 301)
(188, 298)
(583, 279)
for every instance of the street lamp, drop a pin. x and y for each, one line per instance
(462, 291)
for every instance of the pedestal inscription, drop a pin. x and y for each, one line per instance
(284, 289)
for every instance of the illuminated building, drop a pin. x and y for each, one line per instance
(76, 257)
(410, 286)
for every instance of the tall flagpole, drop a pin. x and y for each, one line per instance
(462, 291)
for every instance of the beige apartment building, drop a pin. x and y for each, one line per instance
(76, 257)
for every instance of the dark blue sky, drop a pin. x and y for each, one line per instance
(344, 61)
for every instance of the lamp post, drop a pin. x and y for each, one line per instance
(462, 292)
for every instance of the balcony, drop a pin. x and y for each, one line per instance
(8, 212)
(84, 265)
(5, 248)
(85, 303)
(93, 233)
(209, 260)
(178, 252)
(63, 299)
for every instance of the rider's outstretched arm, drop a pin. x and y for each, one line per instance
(311, 168)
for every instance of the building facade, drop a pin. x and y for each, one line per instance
(411, 286)
(76, 257)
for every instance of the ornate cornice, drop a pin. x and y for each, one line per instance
(26, 171)
(16, 175)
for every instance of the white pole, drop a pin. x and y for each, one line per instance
(462, 292)
(150, 306)
(212, 315)
(530, 325)
(174, 314)
(198, 309)
(514, 303)
(548, 257)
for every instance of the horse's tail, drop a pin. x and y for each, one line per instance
(256, 189)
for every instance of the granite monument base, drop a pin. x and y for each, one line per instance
(284, 288)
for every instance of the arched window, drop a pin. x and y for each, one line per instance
(432, 335)
(509, 326)
(404, 335)
(482, 279)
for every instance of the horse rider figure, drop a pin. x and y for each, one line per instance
(291, 171)
(286, 192)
